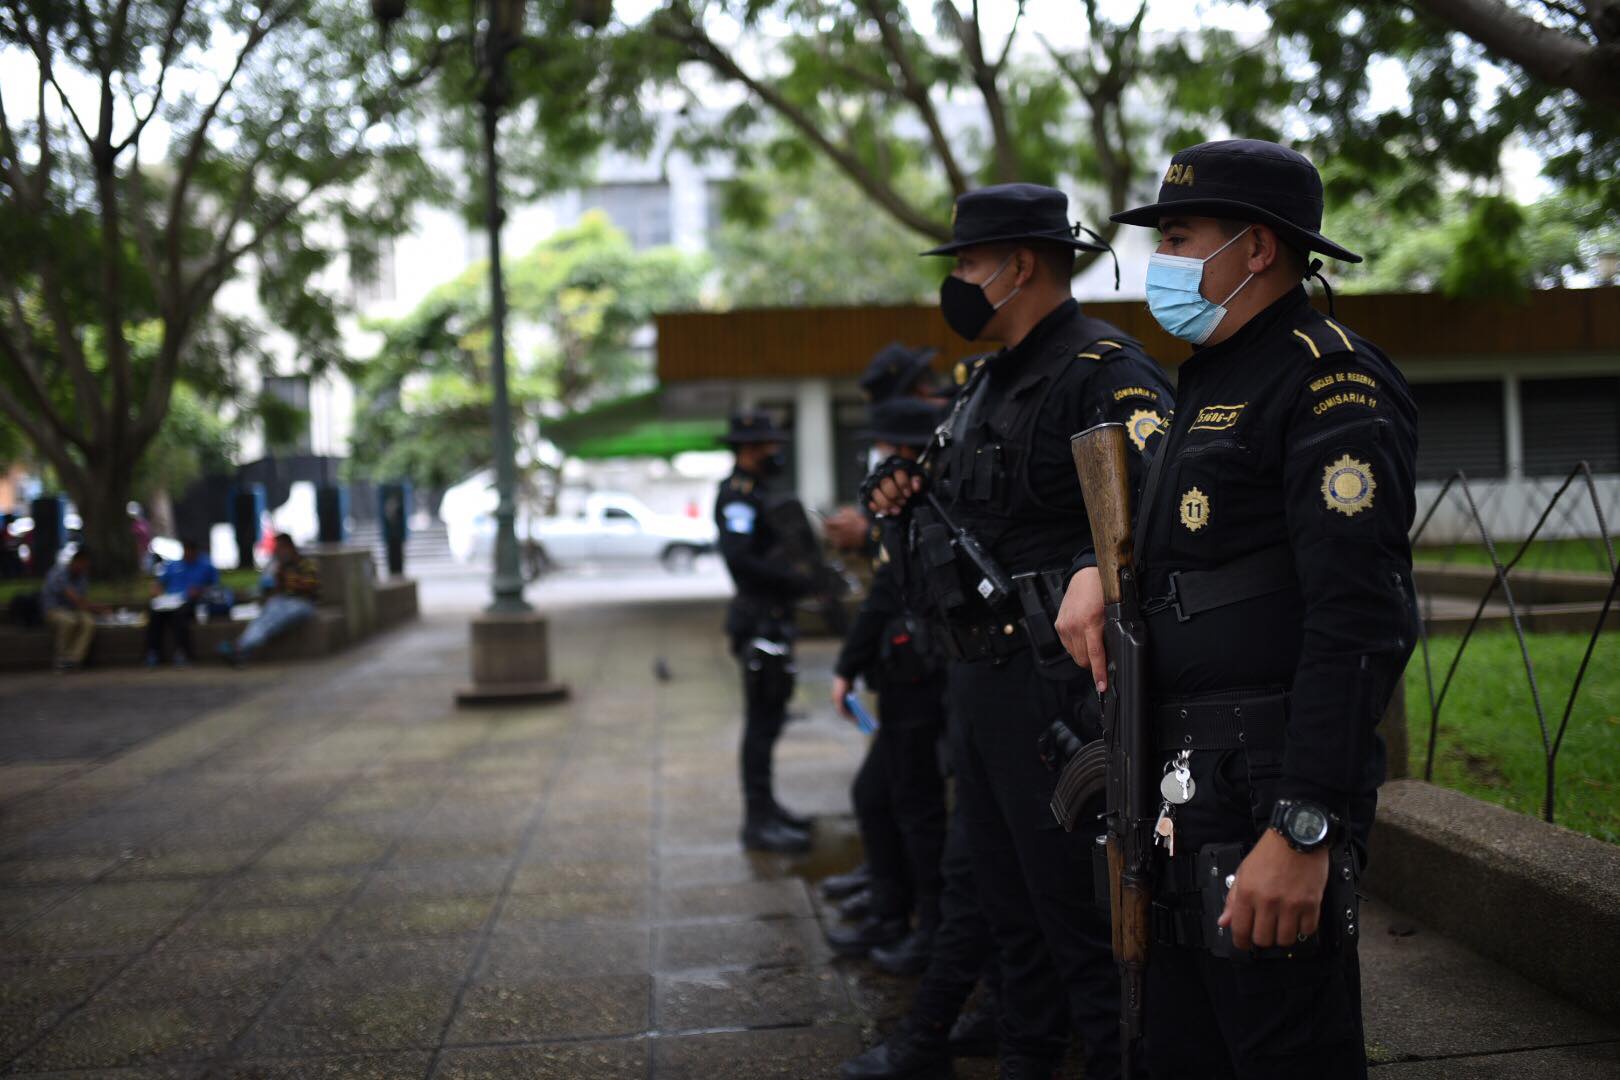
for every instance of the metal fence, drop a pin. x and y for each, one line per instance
(1457, 488)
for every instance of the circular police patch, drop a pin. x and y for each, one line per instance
(1194, 510)
(1348, 486)
(1142, 424)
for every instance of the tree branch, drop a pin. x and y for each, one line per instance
(171, 36)
(42, 437)
(22, 356)
(702, 49)
(9, 159)
(970, 34)
(1592, 71)
(41, 47)
(917, 92)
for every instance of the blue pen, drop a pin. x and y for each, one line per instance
(863, 719)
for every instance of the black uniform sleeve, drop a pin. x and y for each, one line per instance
(865, 638)
(745, 544)
(1132, 390)
(1348, 473)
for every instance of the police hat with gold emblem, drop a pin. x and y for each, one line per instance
(895, 370)
(1244, 180)
(1004, 213)
(754, 427)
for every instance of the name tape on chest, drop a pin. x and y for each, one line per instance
(1348, 486)
(1218, 417)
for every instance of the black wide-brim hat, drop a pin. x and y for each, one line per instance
(1005, 213)
(1244, 180)
(754, 427)
(894, 370)
(903, 421)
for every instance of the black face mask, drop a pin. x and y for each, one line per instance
(774, 464)
(965, 307)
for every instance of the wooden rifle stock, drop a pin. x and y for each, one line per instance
(1105, 480)
(1102, 464)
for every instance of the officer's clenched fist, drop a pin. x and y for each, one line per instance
(891, 489)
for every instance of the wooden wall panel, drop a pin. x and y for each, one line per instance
(793, 343)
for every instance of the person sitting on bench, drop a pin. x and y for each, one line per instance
(175, 595)
(291, 586)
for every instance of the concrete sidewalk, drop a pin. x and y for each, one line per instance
(326, 870)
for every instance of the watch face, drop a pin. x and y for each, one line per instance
(1307, 825)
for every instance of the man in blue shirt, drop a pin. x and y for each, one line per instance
(179, 588)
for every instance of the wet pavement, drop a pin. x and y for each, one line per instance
(327, 870)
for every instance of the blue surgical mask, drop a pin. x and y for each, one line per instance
(1173, 295)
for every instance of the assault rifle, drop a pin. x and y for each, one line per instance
(1122, 762)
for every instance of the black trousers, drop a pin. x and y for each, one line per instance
(767, 686)
(177, 621)
(963, 947)
(1035, 880)
(1247, 1018)
(899, 797)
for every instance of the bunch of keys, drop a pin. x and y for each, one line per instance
(1177, 788)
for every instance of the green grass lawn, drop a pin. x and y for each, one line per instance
(1489, 745)
(133, 593)
(1587, 555)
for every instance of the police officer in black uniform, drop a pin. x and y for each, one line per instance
(1003, 476)
(1276, 574)
(760, 624)
(899, 790)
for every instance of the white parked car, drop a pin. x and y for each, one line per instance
(609, 528)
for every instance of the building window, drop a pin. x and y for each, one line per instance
(373, 284)
(1568, 421)
(1460, 426)
(641, 210)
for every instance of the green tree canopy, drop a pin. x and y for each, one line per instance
(169, 148)
(579, 296)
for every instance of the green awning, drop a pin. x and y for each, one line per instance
(631, 426)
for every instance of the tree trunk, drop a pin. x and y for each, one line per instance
(103, 509)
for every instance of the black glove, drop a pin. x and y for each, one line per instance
(1057, 745)
(886, 469)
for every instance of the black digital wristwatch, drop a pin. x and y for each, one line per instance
(1306, 826)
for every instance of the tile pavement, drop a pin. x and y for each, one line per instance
(327, 871)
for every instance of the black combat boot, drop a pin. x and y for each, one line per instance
(909, 955)
(913, 1051)
(974, 1033)
(798, 821)
(763, 832)
(839, 886)
(866, 935)
(857, 906)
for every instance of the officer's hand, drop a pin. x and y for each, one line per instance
(846, 529)
(891, 495)
(1080, 624)
(841, 687)
(1277, 896)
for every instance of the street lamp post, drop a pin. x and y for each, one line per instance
(499, 30)
(510, 656)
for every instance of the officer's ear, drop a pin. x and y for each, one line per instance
(1265, 250)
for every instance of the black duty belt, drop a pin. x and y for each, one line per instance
(1239, 719)
(1259, 573)
(985, 641)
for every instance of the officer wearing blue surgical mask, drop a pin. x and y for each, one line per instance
(1275, 578)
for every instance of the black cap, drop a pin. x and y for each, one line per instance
(1007, 212)
(895, 370)
(1245, 180)
(904, 421)
(754, 427)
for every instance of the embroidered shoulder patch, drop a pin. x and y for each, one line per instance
(739, 517)
(1348, 486)
(1141, 426)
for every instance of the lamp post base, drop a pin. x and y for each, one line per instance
(511, 661)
